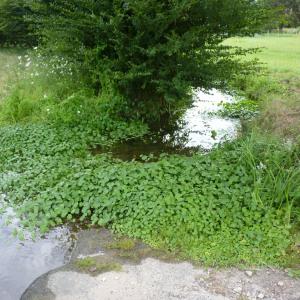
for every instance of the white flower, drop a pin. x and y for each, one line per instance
(19, 57)
(78, 112)
(28, 64)
(48, 110)
(35, 48)
(45, 96)
(261, 166)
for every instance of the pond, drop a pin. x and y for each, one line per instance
(21, 262)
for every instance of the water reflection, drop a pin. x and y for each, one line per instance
(21, 262)
(205, 128)
(201, 129)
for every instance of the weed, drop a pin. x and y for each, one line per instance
(243, 109)
(91, 265)
(294, 273)
(221, 208)
(123, 244)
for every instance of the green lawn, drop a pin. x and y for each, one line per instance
(281, 52)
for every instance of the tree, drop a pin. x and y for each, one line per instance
(14, 29)
(288, 12)
(149, 53)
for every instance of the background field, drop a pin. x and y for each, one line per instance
(280, 52)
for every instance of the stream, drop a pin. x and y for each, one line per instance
(21, 262)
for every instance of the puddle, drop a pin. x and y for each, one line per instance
(21, 262)
(202, 130)
(144, 150)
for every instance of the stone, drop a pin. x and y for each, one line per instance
(249, 273)
(261, 296)
(280, 283)
(237, 290)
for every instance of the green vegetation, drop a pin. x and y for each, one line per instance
(148, 54)
(243, 109)
(231, 206)
(123, 244)
(15, 29)
(277, 90)
(91, 265)
(238, 204)
(280, 52)
(286, 13)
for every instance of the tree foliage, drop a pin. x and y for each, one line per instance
(286, 11)
(150, 53)
(14, 28)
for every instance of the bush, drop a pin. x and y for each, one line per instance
(150, 53)
(14, 29)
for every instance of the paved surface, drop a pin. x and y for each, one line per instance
(152, 277)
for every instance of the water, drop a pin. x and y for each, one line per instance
(21, 262)
(205, 128)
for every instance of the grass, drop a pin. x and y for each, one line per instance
(93, 266)
(8, 64)
(280, 53)
(278, 91)
(122, 244)
(232, 206)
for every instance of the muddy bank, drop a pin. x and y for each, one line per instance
(104, 268)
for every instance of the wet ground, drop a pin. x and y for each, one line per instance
(103, 267)
(23, 261)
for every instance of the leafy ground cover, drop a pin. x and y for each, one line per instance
(231, 206)
(239, 204)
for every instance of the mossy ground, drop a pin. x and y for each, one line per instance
(96, 265)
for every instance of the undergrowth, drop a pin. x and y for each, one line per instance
(235, 205)
(243, 109)
(231, 206)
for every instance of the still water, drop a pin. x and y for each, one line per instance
(21, 262)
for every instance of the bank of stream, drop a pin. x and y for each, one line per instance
(21, 261)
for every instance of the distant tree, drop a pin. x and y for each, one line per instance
(149, 53)
(287, 12)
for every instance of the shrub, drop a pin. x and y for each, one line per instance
(150, 53)
(14, 29)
